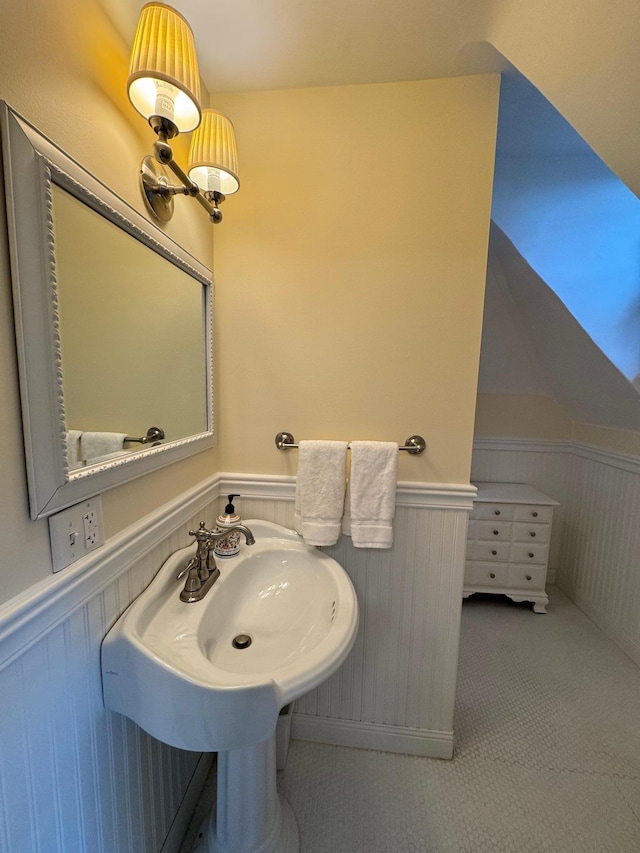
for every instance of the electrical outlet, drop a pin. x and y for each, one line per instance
(75, 532)
(91, 529)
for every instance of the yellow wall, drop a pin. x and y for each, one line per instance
(350, 270)
(64, 69)
(521, 416)
(538, 417)
(350, 267)
(619, 440)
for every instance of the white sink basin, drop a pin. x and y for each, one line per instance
(171, 667)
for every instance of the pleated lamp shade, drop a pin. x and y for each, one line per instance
(213, 159)
(163, 73)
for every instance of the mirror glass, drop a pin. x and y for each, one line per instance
(132, 338)
(113, 328)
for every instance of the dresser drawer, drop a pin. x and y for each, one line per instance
(492, 531)
(530, 532)
(521, 552)
(489, 551)
(508, 542)
(522, 512)
(487, 574)
(527, 577)
(494, 511)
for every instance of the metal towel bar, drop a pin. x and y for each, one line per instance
(415, 444)
(154, 436)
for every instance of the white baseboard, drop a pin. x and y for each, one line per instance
(429, 744)
(173, 841)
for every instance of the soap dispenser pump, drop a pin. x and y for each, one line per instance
(228, 546)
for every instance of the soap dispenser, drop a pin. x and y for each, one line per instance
(229, 546)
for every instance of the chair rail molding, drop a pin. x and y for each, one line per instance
(30, 615)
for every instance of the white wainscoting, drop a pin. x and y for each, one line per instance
(542, 464)
(600, 556)
(75, 778)
(396, 690)
(596, 537)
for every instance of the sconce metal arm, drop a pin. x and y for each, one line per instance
(164, 155)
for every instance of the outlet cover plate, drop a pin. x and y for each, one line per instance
(75, 532)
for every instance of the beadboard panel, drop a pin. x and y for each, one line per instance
(601, 547)
(596, 535)
(396, 689)
(73, 776)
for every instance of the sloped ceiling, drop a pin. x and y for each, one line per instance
(531, 344)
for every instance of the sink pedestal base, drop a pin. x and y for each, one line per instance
(250, 816)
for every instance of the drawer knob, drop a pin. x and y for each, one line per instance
(528, 577)
(534, 514)
(531, 554)
(494, 552)
(496, 512)
(492, 574)
(496, 532)
(532, 533)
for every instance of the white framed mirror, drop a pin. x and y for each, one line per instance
(113, 329)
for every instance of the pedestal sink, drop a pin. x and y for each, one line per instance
(212, 675)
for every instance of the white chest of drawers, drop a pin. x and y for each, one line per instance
(508, 542)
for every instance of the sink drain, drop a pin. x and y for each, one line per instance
(242, 641)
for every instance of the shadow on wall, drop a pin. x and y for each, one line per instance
(568, 364)
(573, 221)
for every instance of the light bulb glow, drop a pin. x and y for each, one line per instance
(164, 78)
(213, 159)
(214, 180)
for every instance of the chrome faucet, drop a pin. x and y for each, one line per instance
(201, 570)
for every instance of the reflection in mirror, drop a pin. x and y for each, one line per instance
(113, 328)
(132, 337)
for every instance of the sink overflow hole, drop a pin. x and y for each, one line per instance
(242, 641)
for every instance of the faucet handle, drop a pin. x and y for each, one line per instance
(190, 564)
(201, 534)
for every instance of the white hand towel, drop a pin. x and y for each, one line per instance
(320, 491)
(371, 495)
(74, 457)
(96, 444)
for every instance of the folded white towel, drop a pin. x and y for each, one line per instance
(320, 491)
(74, 457)
(371, 495)
(97, 444)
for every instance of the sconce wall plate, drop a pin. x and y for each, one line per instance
(152, 178)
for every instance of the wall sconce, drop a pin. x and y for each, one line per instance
(164, 87)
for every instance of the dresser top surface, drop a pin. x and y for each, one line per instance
(517, 493)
